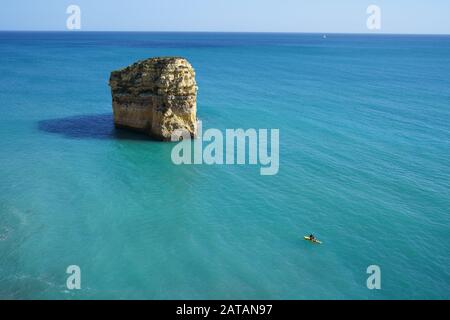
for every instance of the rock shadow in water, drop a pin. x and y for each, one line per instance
(91, 126)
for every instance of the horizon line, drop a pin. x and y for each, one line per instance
(254, 32)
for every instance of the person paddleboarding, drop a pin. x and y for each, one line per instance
(312, 238)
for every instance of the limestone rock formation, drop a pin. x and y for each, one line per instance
(156, 96)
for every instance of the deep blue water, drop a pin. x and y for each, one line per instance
(364, 126)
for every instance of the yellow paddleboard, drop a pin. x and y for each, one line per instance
(313, 241)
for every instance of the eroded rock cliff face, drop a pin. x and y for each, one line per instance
(155, 96)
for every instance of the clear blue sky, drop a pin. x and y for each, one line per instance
(398, 16)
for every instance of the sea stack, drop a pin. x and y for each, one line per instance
(156, 96)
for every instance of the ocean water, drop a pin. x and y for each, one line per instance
(364, 126)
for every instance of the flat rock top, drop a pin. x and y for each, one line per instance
(158, 63)
(161, 75)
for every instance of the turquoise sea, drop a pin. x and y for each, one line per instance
(364, 126)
